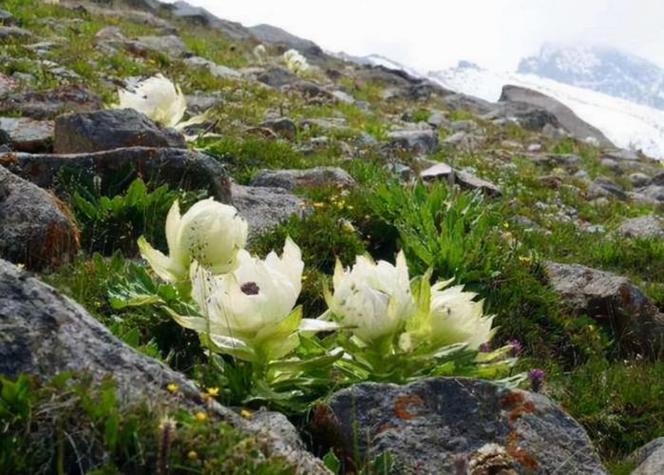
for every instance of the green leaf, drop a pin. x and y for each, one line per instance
(332, 462)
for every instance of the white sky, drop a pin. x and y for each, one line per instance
(435, 34)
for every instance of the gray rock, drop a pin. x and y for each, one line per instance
(657, 180)
(28, 135)
(307, 178)
(649, 459)
(602, 186)
(13, 33)
(168, 45)
(44, 334)
(471, 182)
(643, 227)
(7, 18)
(419, 142)
(282, 126)
(217, 70)
(199, 103)
(277, 77)
(111, 129)
(466, 180)
(637, 324)
(343, 97)
(567, 160)
(463, 125)
(462, 141)
(621, 154)
(639, 179)
(439, 171)
(327, 124)
(201, 17)
(433, 426)
(563, 114)
(276, 36)
(178, 168)
(35, 227)
(265, 208)
(7, 84)
(653, 193)
(49, 104)
(438, 120)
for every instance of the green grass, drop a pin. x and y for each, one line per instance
(70, 425)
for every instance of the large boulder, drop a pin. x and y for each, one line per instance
(637, 324)
(419, 142)
(178, 168)
(265, 208)
(50, 104)
(44, 334)
(110, 129)
(515, 97)
(307, 178)
(27, 135)
(454, 425)
(649, 459)
(35, 227)
(645, 227)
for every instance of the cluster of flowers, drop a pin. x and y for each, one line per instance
(247, 305)
(295, 62)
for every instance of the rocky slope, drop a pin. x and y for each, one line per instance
(559, 234)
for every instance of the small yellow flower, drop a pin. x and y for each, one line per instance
(201, 416)
(247, 414)
(192, 455)
(319, 205)
(213, 392)
(525, 259)
(172, 388)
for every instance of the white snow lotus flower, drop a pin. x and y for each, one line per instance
(210, 233)
(373, 298)
(450, 316)
(249, 313)
(159, 99)
(295, 62)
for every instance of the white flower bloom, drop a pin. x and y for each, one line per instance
(450, 316)
(457, 318)
(249, 312)
(156, 97)
(260, 53)
(374, 298)
(211, 233)
(295, 62)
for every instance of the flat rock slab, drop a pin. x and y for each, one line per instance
(613, 300)
(14, 33)
(465, 180)
(217, 70)
(178, 168)
(645, 227)
(28, 135)
(436, 426)
(308, 178)
(420, 142)
(7, 84)
(44, 334)
(35, 227)
(649, 458)
(111, 129)
(50, 104)
(265, 208)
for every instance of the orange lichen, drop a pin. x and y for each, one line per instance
(402, 404)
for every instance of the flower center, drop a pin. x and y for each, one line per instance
(250, 288)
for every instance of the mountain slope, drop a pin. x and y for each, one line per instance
(625, 123)
(601, 69)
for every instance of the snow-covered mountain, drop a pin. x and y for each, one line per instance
(601, 69)
(626, 124)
